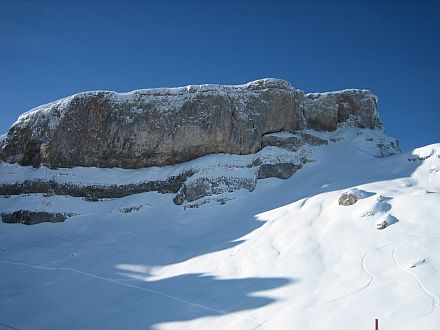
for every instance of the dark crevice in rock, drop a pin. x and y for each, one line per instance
(272, 132)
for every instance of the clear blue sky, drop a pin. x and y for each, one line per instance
(51, 49)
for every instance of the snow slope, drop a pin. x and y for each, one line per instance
(285, 256)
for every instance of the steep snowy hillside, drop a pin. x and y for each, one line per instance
(284, 255)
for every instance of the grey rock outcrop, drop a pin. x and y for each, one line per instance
(158, 127)
(27, 217)
(208, 186)
(324, 111)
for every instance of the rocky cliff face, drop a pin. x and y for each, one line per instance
(158, 127)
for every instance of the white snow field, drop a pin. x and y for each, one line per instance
(285, 256)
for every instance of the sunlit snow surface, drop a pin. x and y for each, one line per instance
(285, 256)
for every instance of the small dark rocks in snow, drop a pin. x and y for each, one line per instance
(130, 209)
(417, 263)
(389, 220)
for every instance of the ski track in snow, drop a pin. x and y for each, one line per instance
(365, 286)
(123, 282)
(432, 296)
(434, 299)
(118, 282)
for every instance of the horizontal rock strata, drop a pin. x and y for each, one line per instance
(94, 191)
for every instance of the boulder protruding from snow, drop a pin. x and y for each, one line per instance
(352, 196)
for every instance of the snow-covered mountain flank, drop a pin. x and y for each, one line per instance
(276, 126)
(216, 207)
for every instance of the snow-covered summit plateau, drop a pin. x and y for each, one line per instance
(324, 225)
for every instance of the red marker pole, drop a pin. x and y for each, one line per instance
(377, 324)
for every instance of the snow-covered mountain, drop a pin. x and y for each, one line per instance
(351, 236)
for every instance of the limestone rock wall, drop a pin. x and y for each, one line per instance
(158, 127)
